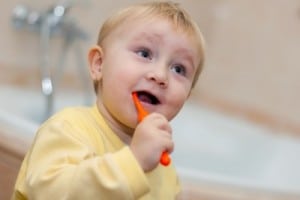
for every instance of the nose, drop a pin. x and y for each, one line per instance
(159, 75)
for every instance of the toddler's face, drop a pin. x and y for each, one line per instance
(151, 58)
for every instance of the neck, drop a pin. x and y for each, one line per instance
(122, 131)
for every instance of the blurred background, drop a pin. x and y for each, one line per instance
(243, 116)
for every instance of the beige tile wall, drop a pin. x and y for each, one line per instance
(253, 60)
(253, 50)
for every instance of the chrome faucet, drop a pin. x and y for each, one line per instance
(52, 22)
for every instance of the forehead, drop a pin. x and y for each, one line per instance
(155, 28)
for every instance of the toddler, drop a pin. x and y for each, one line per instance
(152, 49)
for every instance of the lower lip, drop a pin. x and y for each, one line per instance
(147, 106)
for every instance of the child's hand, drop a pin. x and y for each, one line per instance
(152, 136)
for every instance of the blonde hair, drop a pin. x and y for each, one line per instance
(164, 9)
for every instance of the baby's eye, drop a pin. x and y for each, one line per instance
(179, 69)
(144, 53)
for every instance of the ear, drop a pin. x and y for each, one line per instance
(95, 59)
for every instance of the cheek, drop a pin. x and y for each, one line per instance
(178, 99)
(117, 83)
(181, 91)
(114, 75)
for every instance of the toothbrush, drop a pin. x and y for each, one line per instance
(164, 159)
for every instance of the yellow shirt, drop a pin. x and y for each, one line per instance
(75, 155)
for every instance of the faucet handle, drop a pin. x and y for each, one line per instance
(19, 15)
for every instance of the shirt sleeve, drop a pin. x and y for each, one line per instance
(62, 166)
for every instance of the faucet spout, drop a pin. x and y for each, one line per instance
(54, 21)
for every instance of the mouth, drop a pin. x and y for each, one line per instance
(147, 97)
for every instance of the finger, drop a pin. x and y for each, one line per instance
(163, 124)
(165, 140)
(169, 146)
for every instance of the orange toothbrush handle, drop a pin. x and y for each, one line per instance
(165, 158)
(141, 111)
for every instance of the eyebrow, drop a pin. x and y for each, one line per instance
(153, 37)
